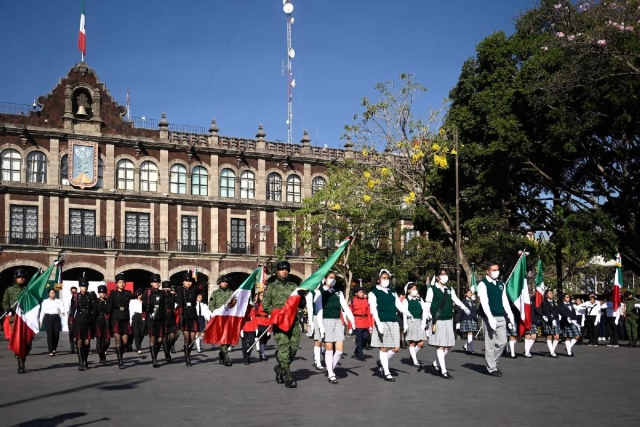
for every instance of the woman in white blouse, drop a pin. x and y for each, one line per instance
(50, 312)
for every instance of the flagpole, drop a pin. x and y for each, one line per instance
(259, 338)
(12, 307)
(514, 268)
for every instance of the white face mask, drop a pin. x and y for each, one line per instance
(384, 283)
(444, 279)
(414, 292)
(331, 282)
(495, 274)
(473, 297)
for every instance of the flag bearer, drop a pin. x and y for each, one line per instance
(10, 299)
(220, 297)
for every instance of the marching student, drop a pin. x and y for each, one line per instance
(137, 320)
(551, 322)
(531, 335)
(383, 303)
(364, 321)
(262, 318)
(512, 333)
(83, 321)
(328, 306)
(314, 329)
(439, 310)
(414, 328)
(101, 323)
(581, 311)
(593, 309)
(118, 310)
(248, 332)
(570, 326)
(468, 323)
(202, 309)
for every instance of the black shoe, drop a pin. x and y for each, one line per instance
(246, 361)
(513, 356)
(80, 361)
(263, 358)
(167, 353)
(361, 358)
(86, 357)
(555, 356)
(278, 371)
(21, 369)
(571, 355)
(417, 365)
(228, 362)
(154, 356)
(333, 380)
(320, 368)
(380, 368)
(119, 355)
(389, 378)
(291, 384)
(446, 376)
(528, 356)
(496, 373)
(435, 368)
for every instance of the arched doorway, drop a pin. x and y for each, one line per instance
(203, 279)
(140, 278)
(78, 272)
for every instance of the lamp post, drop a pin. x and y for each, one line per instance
(455, 143)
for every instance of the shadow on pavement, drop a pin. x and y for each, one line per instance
(481, 369)
(57, 420)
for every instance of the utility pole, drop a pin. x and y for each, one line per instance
(458, 240)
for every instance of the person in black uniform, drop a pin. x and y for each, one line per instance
(103, 332)
(187, 300)
(170, 319)
(118, 308)
(551, 325)
(72, 337)
(154, 308)
(83, 320)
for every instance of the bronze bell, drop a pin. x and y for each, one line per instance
(82, 112)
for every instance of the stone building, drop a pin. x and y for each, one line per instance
(143, 196)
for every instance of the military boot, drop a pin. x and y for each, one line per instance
(154, 356)
(80, 360)
(21, 369)
(119, 354)
(167, 353)
(85, 354)
(221, 357)
(227, 360)
(289, 382)
(279, 375)
(187, 355)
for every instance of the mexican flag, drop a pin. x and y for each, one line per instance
(518, 293)
(540, 287)
(82, 39)
(26, 324)
(474, 281)
(617, 284)
(226, 321)
(284, 317)
(6, 324)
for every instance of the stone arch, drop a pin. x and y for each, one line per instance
(179, 162)
(137, 266)
(187, 267)
(127, 157)
(201, 164)
(272, 170)
(90, 265)
(21, 263)
(41, 149)
(297, 173)
(151, 159)
(13, 147)
(227, 166)
(236, 270)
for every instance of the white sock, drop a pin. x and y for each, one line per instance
(527, 346)
(512, 347)
(470, 342)
(550, 345)
(554, 345)
(198, 343)
(567, 344)
(262, 349)
(317, 356)
(440, 353)
(336, 358)
(446, 351)
(572, 343)
(412, 351)
(328, 360)
(390, 354)
(384, 360)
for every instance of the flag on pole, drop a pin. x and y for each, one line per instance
(518, 293)
(6, 326)
(617, 284)
(194, 274)
(82, 39)
(540, 287)
(226, 321)
(284, 317)
(27, 324)
(474, 281)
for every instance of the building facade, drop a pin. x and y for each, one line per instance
(143, 196)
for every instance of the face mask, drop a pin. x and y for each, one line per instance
(414, 293)
(444, 279)
(331, 282)
(384, 283)
(473, 297)
(495, 274)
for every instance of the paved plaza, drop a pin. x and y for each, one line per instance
(597, 387)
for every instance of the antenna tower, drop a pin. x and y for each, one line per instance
(287, 7)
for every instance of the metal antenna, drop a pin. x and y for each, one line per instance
(287, 7)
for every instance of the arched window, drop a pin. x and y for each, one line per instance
(317, 184)
(11, 163)
(64, 170)
(178, 179)
(148, 176)
(124, 175)
(247, 185)
(227, 183)
(37, 167)
(274, 187)
(293, 189)
(199, 181)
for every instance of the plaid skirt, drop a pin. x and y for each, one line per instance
(333, 330)
(512, 332)
(414, 331)
(468, 326)
(549, 329)
(571, 331)
(533, 330)
(120, 327)
(444, 336)
(390, 337)
(316, 330)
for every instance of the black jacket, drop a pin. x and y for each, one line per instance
(550, 309)
(118, 304)
(473, 315)
(567, 312)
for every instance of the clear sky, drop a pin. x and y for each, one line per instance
(200, 59)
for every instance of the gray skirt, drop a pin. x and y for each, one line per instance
(390, 337)
(333, 330)
(414, 331)
(444, 336)
(316, 330)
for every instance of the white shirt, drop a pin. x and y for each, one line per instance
(202, 309)
(343, 304)
(135, 306)
(593, 309)
(427, 306)
(373, 304)
(484, 300)
(580, 309)
(405, 303)
(51, 306)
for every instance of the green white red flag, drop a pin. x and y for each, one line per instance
(226, 321)
(26, 324)
(518, 293)
(617, 284)
(540, 287)
(82, 36)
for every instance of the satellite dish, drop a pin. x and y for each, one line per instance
(288, 7)
(292, 53)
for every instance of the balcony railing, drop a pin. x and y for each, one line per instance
(290, 251)
(139, 244)
(239, 248)
(82, 241)
(28, 238)
(199, 246)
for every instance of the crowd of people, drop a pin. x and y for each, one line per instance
(386, 318)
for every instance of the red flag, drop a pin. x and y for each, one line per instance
(6, 325)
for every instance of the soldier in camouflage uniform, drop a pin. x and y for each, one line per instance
(9, 301)
(219, 297)
(287, 341)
